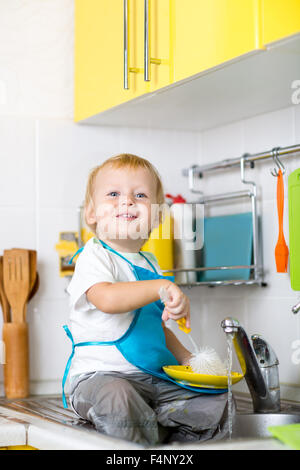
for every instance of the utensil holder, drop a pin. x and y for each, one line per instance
(16, 368)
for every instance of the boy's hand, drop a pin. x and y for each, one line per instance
(178, 306)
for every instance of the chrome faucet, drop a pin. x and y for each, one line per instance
(296, 308)
(260, 366)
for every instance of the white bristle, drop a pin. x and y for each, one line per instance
(207, 361)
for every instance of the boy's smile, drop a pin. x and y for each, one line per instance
(127, 216)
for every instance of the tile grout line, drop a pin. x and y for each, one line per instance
(294, 125)
(37, 183)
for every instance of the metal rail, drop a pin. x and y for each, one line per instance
(199, 170)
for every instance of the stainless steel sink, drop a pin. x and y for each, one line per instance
(255, 425)
(247, 424)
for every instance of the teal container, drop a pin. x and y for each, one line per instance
(228, 241)
(294, 227)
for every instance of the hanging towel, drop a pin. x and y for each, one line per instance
(228, 241)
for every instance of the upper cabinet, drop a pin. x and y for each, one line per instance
(128, 50)
(99, 52)
(111, 53)
(209, 33)
(280, 19)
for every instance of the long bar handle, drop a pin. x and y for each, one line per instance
(125, 16)
(146, 42)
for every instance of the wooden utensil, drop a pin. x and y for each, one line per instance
(33, 274)
(34, 278)
(33, 260)
(16, 273)
(16, 368)
(281, 249)
(3, 298)
(35, 287)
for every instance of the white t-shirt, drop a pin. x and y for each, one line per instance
(97, 264)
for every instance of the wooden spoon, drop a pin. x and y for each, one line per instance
(16, 272)
(3, 298)
(35, 287)
(33, 273)
(33, 292)
(33, 276)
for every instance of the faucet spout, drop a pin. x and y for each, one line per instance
(296, 308)
(259, 365)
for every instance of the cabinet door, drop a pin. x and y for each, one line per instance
(281, 18)
(99, 55)
(161, 28)
(209, 33)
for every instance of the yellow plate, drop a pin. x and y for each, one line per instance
(185, 375)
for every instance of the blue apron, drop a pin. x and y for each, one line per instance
(144, 343)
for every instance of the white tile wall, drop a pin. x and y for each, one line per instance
(49, 345)
(17, 185)
(297, 122)
(36, 58)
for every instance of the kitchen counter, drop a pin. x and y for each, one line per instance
(43, 423)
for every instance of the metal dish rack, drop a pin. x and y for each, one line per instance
(256, 269)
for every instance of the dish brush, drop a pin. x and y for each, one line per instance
(204, 360)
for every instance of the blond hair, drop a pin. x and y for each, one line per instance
(122, 161)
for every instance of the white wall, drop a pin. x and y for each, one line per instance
(45, 159)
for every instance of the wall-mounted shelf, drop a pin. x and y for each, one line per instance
(256, 268)
(233, 282)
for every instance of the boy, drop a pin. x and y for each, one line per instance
(117, 381)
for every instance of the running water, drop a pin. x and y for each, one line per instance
(229, 338)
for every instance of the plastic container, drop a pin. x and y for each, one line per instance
(160, 243)
(184, 223)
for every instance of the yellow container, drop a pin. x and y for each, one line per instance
(160, 243)
(18, 448)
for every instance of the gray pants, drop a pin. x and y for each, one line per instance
(147, 410)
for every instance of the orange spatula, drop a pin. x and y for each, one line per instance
(281, 249)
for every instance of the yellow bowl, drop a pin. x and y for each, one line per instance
(185, 375)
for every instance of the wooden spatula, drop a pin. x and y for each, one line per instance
(3, 298)
(16, 272)
(34, 282)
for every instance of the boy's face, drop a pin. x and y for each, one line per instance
(123, 201)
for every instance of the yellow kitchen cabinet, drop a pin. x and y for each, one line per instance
(280, 19)
(99, 52)
(99, 55)
(161, 47)
(186, 38)
(209, 33)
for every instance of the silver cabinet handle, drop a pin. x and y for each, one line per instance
(146, 43)
(125, 15)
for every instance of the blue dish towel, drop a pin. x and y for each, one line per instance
(228, 241)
